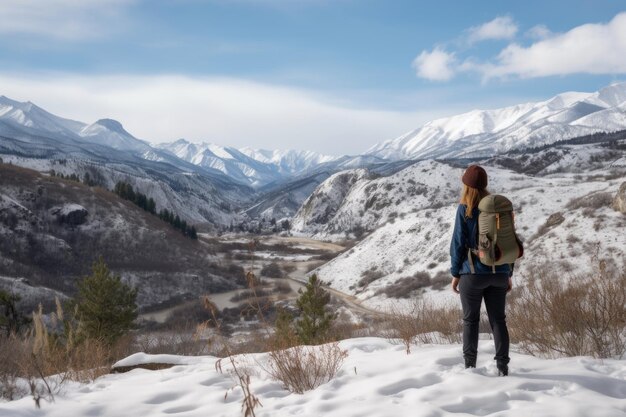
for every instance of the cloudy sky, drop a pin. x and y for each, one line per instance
(334, 76)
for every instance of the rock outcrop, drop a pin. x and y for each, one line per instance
(619, 201)
(70, 214)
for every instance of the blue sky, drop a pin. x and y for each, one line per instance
(331, 76)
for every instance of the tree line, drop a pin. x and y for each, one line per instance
(125, 191)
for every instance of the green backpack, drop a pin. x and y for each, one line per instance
(498, 243)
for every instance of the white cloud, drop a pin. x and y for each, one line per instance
(62, 19)
(539, 32)
(222, 110)
(436, 65)
(591, 49)
(502, 27)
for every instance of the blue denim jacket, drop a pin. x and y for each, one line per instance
(463, 237)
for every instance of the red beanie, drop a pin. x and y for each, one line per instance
(475, 177)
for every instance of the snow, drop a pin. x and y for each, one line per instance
(408, 235)
(377, 379)
(141, 358)
(70, 208)
(480, 132)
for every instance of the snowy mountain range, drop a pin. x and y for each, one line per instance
(254, 166)
(485, 132)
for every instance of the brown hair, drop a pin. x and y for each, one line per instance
(471, 196)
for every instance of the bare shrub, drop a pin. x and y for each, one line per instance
(313, 265)
(181, 341)
(248, 294)
(282, 287)
(272, 270)
(403, 287)
(594, 201)
(580, 316)
(425, 323)
(12, 352)
(441, 280)
(370, 275)
(302, 368)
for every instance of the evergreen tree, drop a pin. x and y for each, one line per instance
(315, 319)
(105, 306)
(11, 320)
(284, 335)
(193, 233)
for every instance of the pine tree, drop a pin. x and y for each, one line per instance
(11, 320)
(283, 328)
(193, 233)
(105, 306)
(315, 319)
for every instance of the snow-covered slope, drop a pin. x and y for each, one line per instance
(354, 201)
(484, 132)
(29, 119)
(377, 379)
(111, 133)
(288, 162)
(228, 160)
(562, 215)
(256, 167)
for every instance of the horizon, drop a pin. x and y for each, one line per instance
(334, 78)
(239, 148)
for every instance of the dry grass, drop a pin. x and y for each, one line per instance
(583, 316)
(43, 359)
(302, 368)
(425, 323)
(405, 286)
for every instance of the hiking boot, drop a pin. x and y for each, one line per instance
(503, 370)
(470, 363)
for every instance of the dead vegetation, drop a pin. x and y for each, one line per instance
(581, 315)
(424, 323)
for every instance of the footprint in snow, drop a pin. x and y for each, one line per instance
(410, 383)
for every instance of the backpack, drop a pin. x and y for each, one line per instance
(498, 243)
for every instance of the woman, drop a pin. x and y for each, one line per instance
(483, 283)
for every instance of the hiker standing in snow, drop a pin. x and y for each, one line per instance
(475, 280)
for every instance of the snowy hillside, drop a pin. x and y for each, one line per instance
(561, 217)
(352, 201)
(483, 132)
(376, 379)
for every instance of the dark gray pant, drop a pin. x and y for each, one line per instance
(492, 288)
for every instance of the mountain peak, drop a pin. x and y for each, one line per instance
(112, 125)
(614, 94)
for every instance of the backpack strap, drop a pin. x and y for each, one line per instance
(471, 262)
(493, 244)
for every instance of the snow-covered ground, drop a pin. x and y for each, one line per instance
(376, 379)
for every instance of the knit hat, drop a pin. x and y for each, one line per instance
(475, 177)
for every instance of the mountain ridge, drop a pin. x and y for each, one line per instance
(481, 132)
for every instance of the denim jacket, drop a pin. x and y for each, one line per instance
(464, 237)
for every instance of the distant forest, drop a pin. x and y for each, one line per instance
(611, 138)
